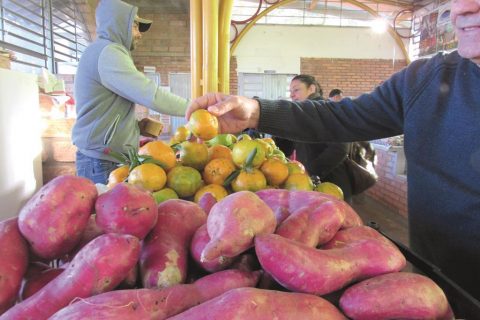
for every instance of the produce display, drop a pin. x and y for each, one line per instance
(207, 226)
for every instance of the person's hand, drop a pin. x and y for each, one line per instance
(234, 113)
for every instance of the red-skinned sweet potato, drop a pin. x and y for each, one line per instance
(199, 241)
(304, 269)
(345, 236)
(313, 226)
(156, 304)
(233, 223)
(399, 295)
(91, 231)
(38, 281)
(259, 304)
(53, 220)
(285, 202)
(13, 262)
(126, 209)
(164, 256)
(100, 266)
(207, 201)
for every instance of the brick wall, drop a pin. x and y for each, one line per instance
(353, 76)
(167, 44)
(391, 188)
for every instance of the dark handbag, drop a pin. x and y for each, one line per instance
(360, 167)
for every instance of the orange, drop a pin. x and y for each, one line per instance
(181, 134)
(251, 180)
(243, 148)
(330, 188)
(118, 175)
(193, 154)
(149, 176)
(219, 151)
(295, 167)
(160, 151)
(217, 170)
(298, 181)
(217, 191)
(275, 171)
(203, 124)
(185, 181)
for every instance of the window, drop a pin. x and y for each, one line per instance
(42, 33)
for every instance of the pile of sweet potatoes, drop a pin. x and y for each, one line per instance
(274, 254)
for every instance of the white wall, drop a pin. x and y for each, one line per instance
(279, 48)
(20, 144)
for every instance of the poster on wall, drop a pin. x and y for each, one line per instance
(446, 38)
(428, 34)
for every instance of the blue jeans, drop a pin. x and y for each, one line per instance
(94, 169)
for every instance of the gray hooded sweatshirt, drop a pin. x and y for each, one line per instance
(107, 86)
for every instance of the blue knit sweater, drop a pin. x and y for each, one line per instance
(435, 103)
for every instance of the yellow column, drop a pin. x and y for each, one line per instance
(210, 45)
(196, 47)
(226, 7)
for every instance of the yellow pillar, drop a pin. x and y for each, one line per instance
(226, 7)
(196, 48)
(210, 45)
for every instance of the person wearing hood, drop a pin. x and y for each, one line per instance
(326, 159)
(107, 87)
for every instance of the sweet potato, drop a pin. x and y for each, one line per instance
(199, 241)
(13, 262)
(156, 303)
(53, 220)
(345, 236)
(259, 304)
(399, 295)
(38, 281)
(91, 231)
(207, 201)
(126, 209)
(233, 223)
(164, 256)
(285, 202)
(304, 269)
(313, 226)
(100, 266)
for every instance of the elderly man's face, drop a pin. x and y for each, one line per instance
(465, 15)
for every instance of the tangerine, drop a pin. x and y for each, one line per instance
(149, 176)
(217, 191)
(185, 181)
(181, 134)
(219, 151)
(298, 181)
(160, 151)
(295, 167)
(217, 170)
(118, 175)
(164, 194)
(242, 149)
(330, 188)
(275, 171)
(203, 124)
(249, 180)
(193, 154)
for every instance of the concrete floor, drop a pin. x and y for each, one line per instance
(392, 224)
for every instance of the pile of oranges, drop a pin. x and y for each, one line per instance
(198, 160)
